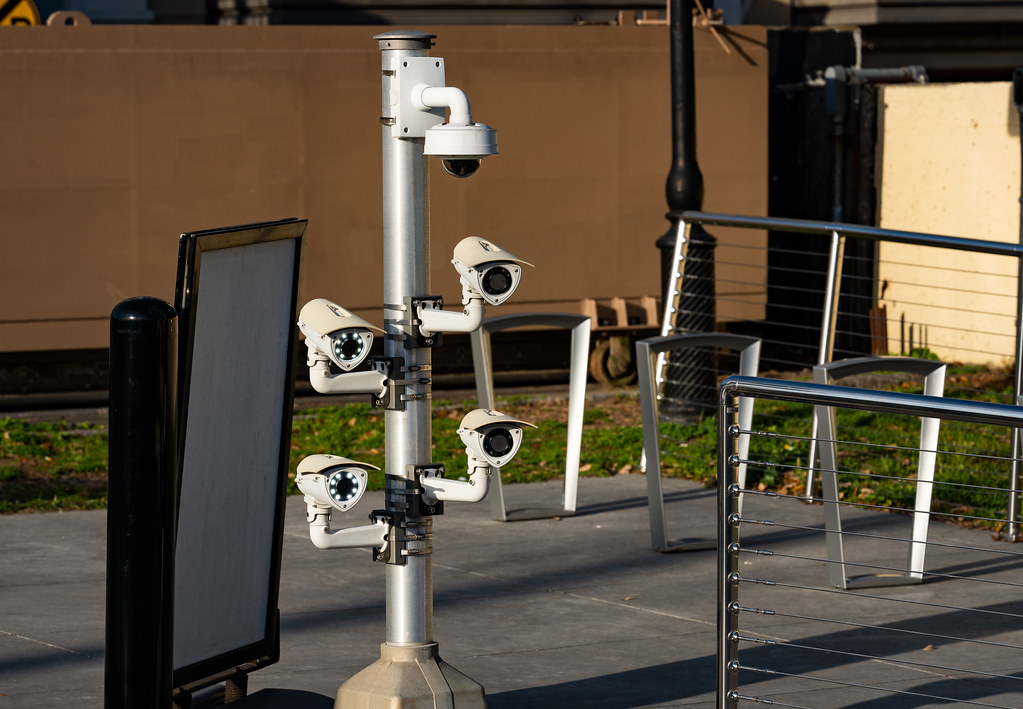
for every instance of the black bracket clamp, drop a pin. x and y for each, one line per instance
(414, 337)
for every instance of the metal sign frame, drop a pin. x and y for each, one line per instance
(237, 300)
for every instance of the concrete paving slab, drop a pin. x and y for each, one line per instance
(571, 612)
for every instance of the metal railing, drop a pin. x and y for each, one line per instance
(821, 292)
(788, 632)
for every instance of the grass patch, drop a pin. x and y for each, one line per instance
(55, 466)
(51, 466)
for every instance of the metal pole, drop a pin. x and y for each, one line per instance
(692, 372)
(142, 505)
(406, 203)
(728, 550)
(409, 672)
(1017, 388)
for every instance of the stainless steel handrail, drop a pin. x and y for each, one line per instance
(729, 492)
(837, 233)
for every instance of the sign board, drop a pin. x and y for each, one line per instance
(237, 301)
(19, 12)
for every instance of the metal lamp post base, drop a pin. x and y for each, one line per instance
(410, 677)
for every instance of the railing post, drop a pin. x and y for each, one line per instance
(142, 505)
(826, 344)
(1017, 384)
(728, 547)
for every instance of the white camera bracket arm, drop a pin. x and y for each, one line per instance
(433, 318)
(425, 97)
(366, 536)
(373, 381)
(439, 489)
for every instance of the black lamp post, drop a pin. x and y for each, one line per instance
(691, 375)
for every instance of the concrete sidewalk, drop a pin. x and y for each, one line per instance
(576, 612)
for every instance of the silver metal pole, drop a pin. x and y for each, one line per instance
(728, 553)
(406, 204)
(409, 672)
(1017, 382)
(1017, 391)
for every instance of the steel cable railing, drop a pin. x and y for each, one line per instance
(789, 635)
(815, 305)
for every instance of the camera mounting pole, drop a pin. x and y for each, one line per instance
(410, 671)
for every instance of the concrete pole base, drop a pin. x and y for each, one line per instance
(410, 677)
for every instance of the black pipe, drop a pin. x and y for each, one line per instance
(691, 372)
(141, 505)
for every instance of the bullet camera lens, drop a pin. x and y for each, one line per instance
(461, 167)
(343, 486)
(348, 346)
(497, 442)
(497, 280)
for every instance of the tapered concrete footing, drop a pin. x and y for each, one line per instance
(410, 677)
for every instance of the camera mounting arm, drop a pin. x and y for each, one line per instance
(373, 381)
(432, 319)
(425, 97)
(323, 537)
(438, 489)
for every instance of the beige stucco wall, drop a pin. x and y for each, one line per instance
(949, 163)
(117, 139)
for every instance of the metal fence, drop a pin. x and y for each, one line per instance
(825, 292)
(852, 601)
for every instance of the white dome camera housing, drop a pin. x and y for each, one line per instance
(345, 338)
(461, 148)
(333, 481)
(492, 437)
(487, 269)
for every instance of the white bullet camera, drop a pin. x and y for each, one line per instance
(491, 437)
(338, 333)
(491, 440)
(487, 270)
(332, 481)
(333, 334)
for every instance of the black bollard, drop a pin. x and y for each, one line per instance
(142, 505)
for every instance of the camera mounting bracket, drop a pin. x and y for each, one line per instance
(395, 395)
(390, 553)
(396, 552)
(422, 471)
(411, 121)
(414, 339)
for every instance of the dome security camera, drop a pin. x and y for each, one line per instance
(461, 148)
(491, 437)
(487, 269)
(461, 167)
(332, 481)
(461, 144)
(345, 338)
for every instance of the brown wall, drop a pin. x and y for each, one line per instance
(116, 139)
